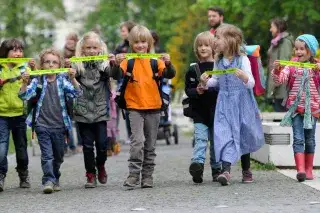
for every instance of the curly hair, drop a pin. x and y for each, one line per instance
(52, 52)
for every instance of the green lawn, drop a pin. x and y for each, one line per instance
(11, 145)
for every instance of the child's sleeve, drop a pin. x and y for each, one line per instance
(280, 76)
(31, 90)
(166, 71)
(117, 72)
(69, 89)
(214, 80)
(246, 67)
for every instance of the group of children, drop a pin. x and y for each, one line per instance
(225, 112)
(88, 83)
(224, 109)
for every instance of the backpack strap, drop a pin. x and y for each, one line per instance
(154, 67)
(165, 98)
(197, 70)
(119, 99)
(129, 71)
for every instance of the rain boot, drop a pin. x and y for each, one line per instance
(309, 165)
(300, 165)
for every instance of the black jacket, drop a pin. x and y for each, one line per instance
(122, 48)
(203, 106)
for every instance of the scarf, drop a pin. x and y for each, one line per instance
(275, 40)
(308, 119)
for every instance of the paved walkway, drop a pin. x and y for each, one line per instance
(291, 173)
(173, 192)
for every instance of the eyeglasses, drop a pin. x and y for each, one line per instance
(51, 62)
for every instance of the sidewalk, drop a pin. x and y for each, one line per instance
(174, 190)
(291, 173)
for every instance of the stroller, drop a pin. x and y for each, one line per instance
(167, 130)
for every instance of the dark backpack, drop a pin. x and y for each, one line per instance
(120, 100)
(186, 103)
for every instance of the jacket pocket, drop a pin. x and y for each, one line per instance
(80, 107)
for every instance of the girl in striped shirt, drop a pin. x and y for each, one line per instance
(303, 102)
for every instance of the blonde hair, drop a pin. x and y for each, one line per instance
(52, 52)
(140, 33)
(205, 38)
(80, 44)
(233, 38)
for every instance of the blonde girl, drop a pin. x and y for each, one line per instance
(237, 124)
(91, 108)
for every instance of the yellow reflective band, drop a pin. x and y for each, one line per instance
(143, 55)
(221, 72)
(46, 72)
(297, 64)
(89, 58)
(14, 60)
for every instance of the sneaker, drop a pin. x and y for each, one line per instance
(24, 179)
(56, 187)
(102, 175)
(91, 180)
(147, 182)
(196, 171)
(48, 187)
(2, 177)
(132, 181)
(224, 178)
(247, 177)
(215, 174)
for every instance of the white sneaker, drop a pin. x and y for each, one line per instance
(48, 188)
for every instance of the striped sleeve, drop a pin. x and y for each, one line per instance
(282, 76)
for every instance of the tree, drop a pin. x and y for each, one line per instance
(32, 21)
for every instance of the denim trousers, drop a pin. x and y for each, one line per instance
(51, 141)
(303, 139)
(202, 135)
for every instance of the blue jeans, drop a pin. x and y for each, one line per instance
(18, 128)
(51, 143)
(303, 139)
(203, 134)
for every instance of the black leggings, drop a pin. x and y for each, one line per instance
(245, 164)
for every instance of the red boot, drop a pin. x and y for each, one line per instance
(309, 165)
(300, 165)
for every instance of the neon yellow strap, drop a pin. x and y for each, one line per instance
(143, 55)
(45, 72)
(221, 72)
(14, 60)
(297, 64)
(89, 58)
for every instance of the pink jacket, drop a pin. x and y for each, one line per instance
(281, 77)
(112, 130)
